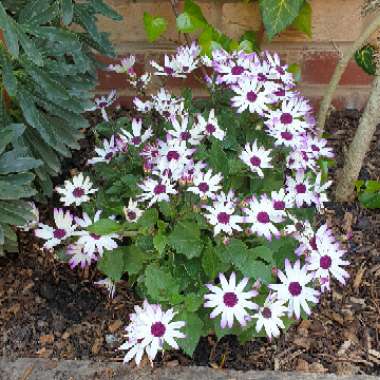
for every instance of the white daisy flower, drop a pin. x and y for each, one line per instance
(257, 158)
(132, 212)
(125, 66)
(171, 68)
(325, 259)
(209, 127)
(320, 196)
(142, 106)
(92, 243)
(79, 256)
(206, 185)
(284, 135)
(76, 191)
(278, 69)
(105, 154)
(182, 132)
(293, 288)
(221, 216)
(167, 105)
(140, 82)
(150, 328)
(318, 147)
(103, 103)
(137, 138)
(249, 95)
(63, 230)
(109, 285)
(300, 189)
(269, 316)
(261, 215)
(156, 190)
(280, 202)
(234, 70)
(230, 300)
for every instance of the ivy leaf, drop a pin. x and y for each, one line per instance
(112, 263)
(277, 15)
(364, 57)
(154, 26)
(185, 239)
(303, 20)
(295, 69)
(105, 227)
(159, 282)
(193, 331)
(191, 19)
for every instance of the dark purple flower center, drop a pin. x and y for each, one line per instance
(95, 236)
(223, 218)
(158, 329)
(108, 156)
(266, 313)
(203, 187)
(315, 148)
(295, 288)
(59, 233)
(286, 118)
(262, 77)
(131, 215)
(280, 92)
(255, 161)
(263, 217)
(102, 104)
(185, 68)
(251, 96)
(185, 135)
(237, 70)
(210, 128)
(301, 188)
(78, 192)
(230, 299)
(287, 136)
(325, 262)
(172, 155)
(159, 189)
(280, 70)
(168, 70)
(166, 114)
(136, 140)
(313, 243)
(279, 205)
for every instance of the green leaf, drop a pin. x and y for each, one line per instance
(105, 227)
(160, 242)
(370, 200)
(159, 282)
(11, 163)
(218, 158)
(185, 239)
(7, 134)
(256, 269)
(262, 252)
(250, 37)
(364, 57)
(277, 15)
(193, 302)
(303, 20)
(149, 218)
(211, 263)
(194, 10)
(112, 263)
(10, 32)
(295, 69)
(154, 26)
(193, 331)
(9, 79)
(67, 11)
(134, 259)
(105, 10)
(29, 47)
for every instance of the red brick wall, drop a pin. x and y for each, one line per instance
(336, 24)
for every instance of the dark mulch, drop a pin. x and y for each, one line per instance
(47, 310)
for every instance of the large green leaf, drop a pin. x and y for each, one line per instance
(159, 282)
(112, 263)
(185, 239)
(277, 15)
(67, 11)
(193, 331)
(304, 19)
(11, 162)
(364, 57)
(10, 32)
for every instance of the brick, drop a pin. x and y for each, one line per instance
(318, 68)
(237, 18)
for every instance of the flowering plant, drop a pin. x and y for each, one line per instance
(206, 206)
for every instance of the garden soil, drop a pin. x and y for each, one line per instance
(49, 311)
